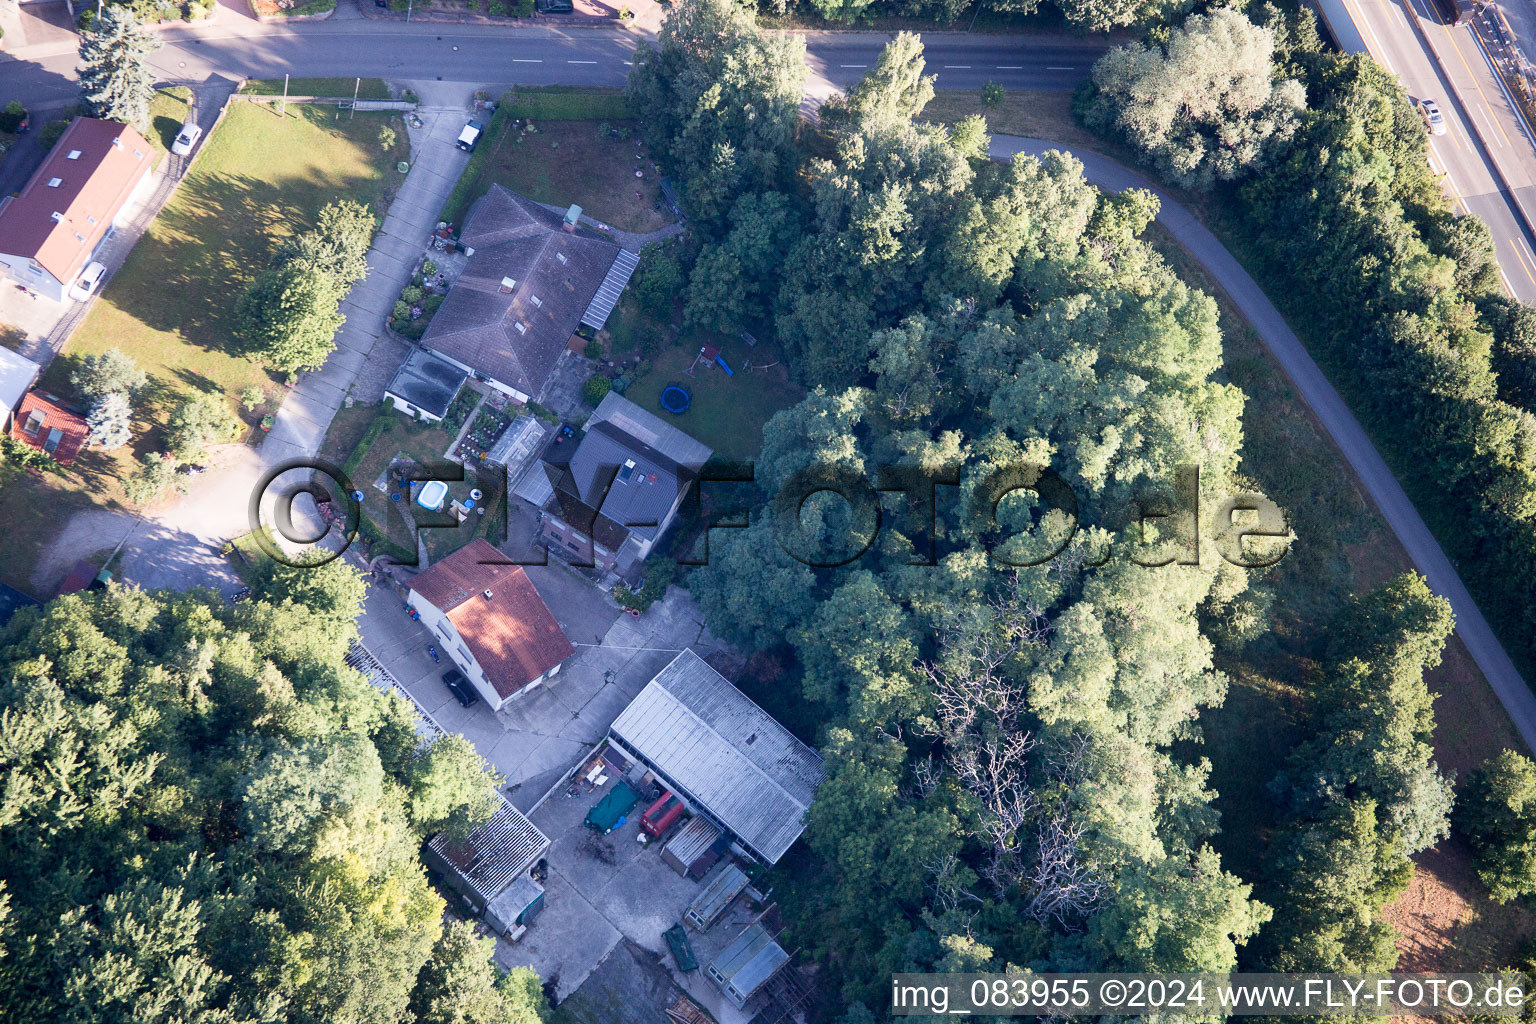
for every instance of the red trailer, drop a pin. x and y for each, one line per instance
(660, 815)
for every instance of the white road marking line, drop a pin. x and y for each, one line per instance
(958, 67)
(1507, 288)
(853, 65)
(526, 60)
(581, 62)
(1048, 68)
(1010, 67)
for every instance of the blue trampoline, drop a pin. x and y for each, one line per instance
(675, 399)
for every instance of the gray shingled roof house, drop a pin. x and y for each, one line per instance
(724, 756)
(528, 282)
(621, 487)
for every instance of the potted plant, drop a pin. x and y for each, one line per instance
(267, 421)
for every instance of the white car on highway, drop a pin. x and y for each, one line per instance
(1433, 119)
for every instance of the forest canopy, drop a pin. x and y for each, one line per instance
(207, 817)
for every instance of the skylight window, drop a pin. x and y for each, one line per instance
(626, 471)
(57, 215)
(55, 182)
(561, 257)
(522, 328)
(74, 154)
(536, 300)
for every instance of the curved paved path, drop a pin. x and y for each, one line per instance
(1324, 401)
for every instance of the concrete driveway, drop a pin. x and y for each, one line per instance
(436, 164)
(535, 739)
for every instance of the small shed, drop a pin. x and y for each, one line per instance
(746, 964)
(717, 895)
(494, 855)
(516, 906)
(695, 848)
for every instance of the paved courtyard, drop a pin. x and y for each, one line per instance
(534, 740)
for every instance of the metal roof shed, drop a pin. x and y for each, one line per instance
(692, 851)
(493, 855)
(711, 903)
(723, 754)
(746, 964)
(516, 906)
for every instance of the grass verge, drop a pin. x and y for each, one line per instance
(539, 162)
(1343, 546)
(260, 176)
(1032, 113)
(339, 88)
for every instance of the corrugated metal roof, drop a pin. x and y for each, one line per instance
(717, 895)
(727, 754)
(693, 839)
(612, 287)
(496, 852)
(747, 963)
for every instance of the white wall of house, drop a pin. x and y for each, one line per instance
(409, 409)
(450, 643)
(36, 279)
(453, 645)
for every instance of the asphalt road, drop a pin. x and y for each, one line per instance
(1507, 683)
(491, 55)
(1476, 119)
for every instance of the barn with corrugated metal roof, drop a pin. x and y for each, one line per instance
(723, 755)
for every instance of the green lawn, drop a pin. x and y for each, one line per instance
(727, 412)
(260, 176)
(586, 129)
(369, 89)
(425, 444)
(1032, 113)
(567, 103)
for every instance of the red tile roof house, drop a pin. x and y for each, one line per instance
(491, 622)
(54, 225)
(43, 422)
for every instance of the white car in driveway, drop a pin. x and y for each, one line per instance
(89, 280)
(1429, 110)
(190, 133)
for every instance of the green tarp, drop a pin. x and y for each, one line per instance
(611, 810)
(682, 952)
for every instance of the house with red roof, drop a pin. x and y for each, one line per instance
(50, 230)
(43, 421)
(491, 622)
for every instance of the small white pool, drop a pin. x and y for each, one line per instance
(432, 495)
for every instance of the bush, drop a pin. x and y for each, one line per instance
(429, 269)
(660, 574)
(51, 132)
(411, 294)
(1497, 813)
(198, 422)
(381, 423)
(401, 313)
(596, 389)
(154, 478)
(87, 19)
(12, 116)
(430, 304)
(594, 349)
(659, 279)
(252, 396)
(992, 94)
(386, 137)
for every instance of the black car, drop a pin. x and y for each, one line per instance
(459, 687)
(554, 6)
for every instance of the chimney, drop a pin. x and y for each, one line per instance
(489, 595)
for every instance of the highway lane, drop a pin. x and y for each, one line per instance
(1460, 155)
(494, 56)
